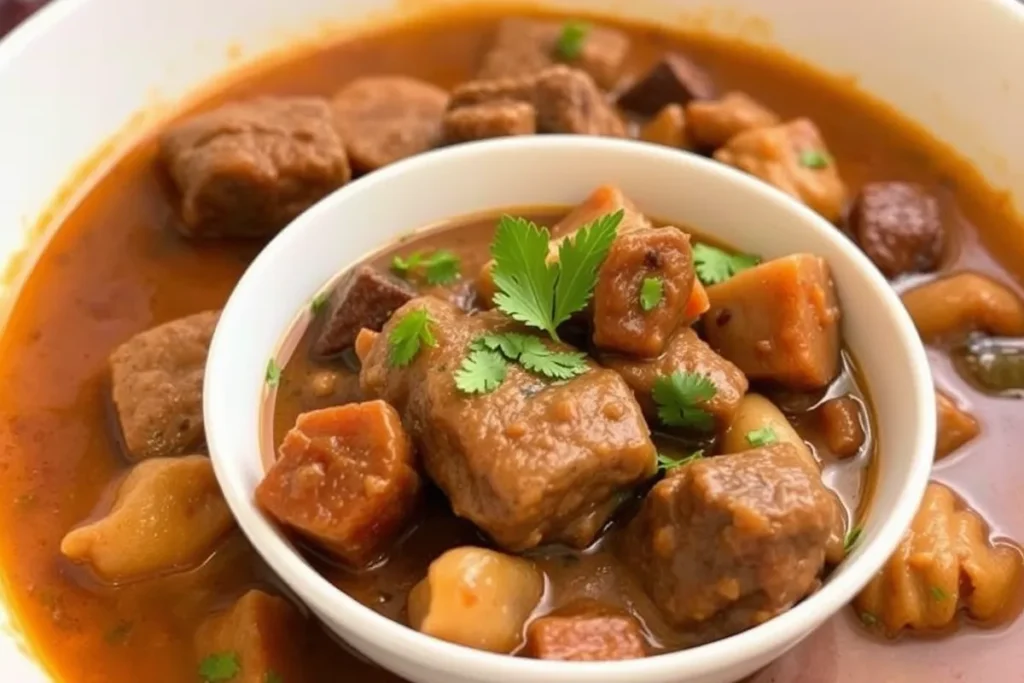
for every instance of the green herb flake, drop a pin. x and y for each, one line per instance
(714, 265)
(815, 158)
(680, 398)
(761, 437)
(938, 595)
(216, 668)
(868, 619)
(851, 539)
(408, 336)
(666, 463)
(481, 372)
(652, 291)
(572, 39)
(513, 347)
(318, 302)
(441, 267)
(273, 375)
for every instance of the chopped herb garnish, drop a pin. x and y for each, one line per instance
(438, 268)
(318, 302)
(815, 158)
(652, 291)
(538, 293)
(273, 677)
(223, 666)
(868, 619)
(514, 347)
(666, 463)
(714, 265)
(273, 376)
(938, 594)
(481, 372)
(408, 335)
(681, 397)
(851, 538)
(571, 40)
(761, 437)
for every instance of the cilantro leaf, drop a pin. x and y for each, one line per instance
(404, 265)
(579, 258)
(273, 375)
(938, 595)
(533, 355)
(761, 437)
(523, 278)
(851, 538)
(222, 666)
(571, 40)
(510, 344)
(481, 372)
(318, 302)
(438, 268)
(652, 291)
(714, 265)
(679, 397)
(667, 463)
(408, 335)
(815, 158)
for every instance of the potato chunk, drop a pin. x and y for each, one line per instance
(476, 597)
(955, 426)
(585, 635)
(944, 563)
(261, 635)
(778, 322)
(168, 515)
(345, 479)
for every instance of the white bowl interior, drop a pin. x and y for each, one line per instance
(711, 198)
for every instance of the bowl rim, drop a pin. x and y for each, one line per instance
(395, 638)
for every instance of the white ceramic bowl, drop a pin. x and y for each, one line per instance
(276, 289)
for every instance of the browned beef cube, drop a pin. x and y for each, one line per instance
(586, 634)
(525, 46)
(367, 298)
(261, 636)
(247, 169)
(733, 540)
(685, 352)
(675, 79)
(712, 123)
(157, 382)
(531, 461)
(792, 157)
(778, 321)
(386, 118)
(345, 479)
(489, 120)
(899, 227)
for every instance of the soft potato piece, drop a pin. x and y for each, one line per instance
(476, 597)
(668, 128)
(964, 302)
(778, 321)
(955, 426)
(263, 633)
(945, 562)
(841, 426)
(713, 123)
(168, 515)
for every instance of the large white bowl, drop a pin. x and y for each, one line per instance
(683, 188)
(83, 72)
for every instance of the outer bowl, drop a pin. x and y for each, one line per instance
(683, 188)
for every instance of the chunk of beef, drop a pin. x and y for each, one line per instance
(955, 427)
(566, 100)
(675, 79)
(168, 515)
(841, 426)
(523, 47)
(344, 478)
(386, 118)
(668, 128)
(531, 459)
(247, 169)
(365, 300)
(778, 321)
(685, 352)
(157, 386)
(792, 157)
(585, 633)
(264, 634)
(954, 305)
(733, 540)
(899, 227)
(712, 123)
(620, 322)
(476, 597)
(945, 562)
(489, 120)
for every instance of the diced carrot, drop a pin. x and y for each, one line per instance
(698, 304)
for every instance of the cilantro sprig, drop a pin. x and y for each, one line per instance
(761, 437)
(667, 463)
(571, 40)
(318, 302)
(652, 291)
(273, 373)
(408, 335)
(680, 398)
(440, 267)
(815, 158)
(484, 369)
(713, 265)
(219, 667)
(540, 294)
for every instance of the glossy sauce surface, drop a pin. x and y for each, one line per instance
(117, 267)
